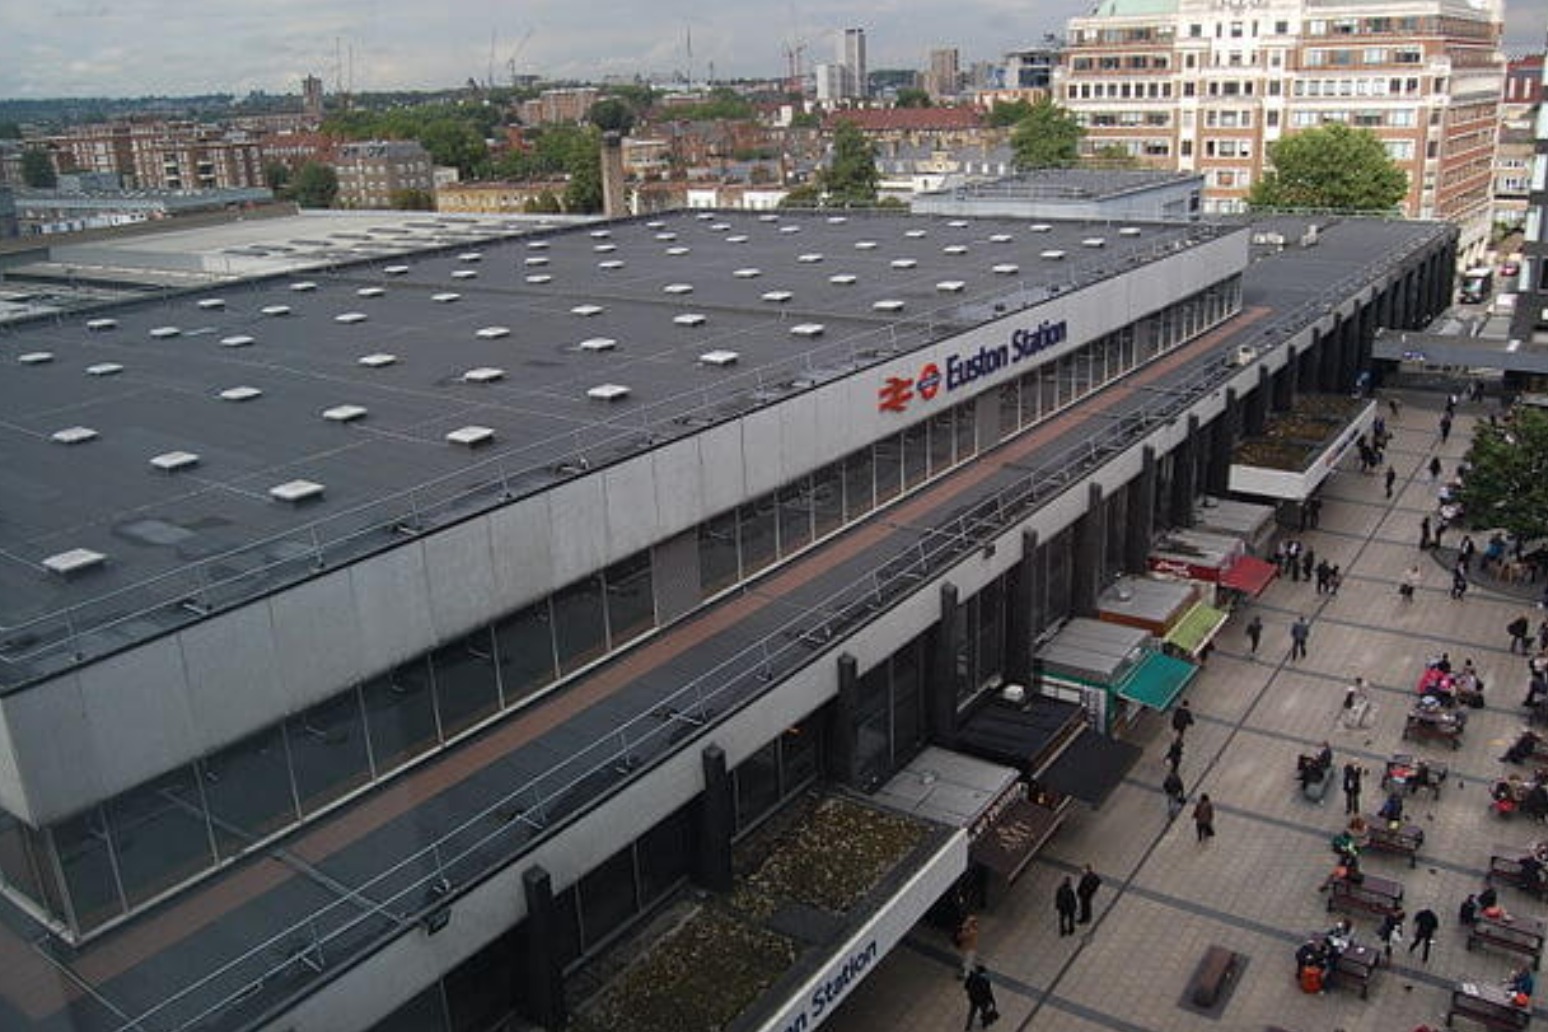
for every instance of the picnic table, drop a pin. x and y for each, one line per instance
(1437, 724)
(1489, 1005)
(1505, 866)
(1407, 771)
(1515, 933)
(1398, 837)
(1356, 965)
(1381, 896)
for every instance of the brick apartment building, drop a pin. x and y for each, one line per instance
(161, 155)
(372, 172)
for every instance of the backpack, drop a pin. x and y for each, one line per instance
(1467, 913)
(1311, 979)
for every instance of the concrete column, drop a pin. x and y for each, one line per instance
(1090, 549)
(1218, 471)
(1327, 358)
(841, 765)
(614, 202)
(1185, 469)
(540, 992)
(714, 823)
(1019, 586)
(941, 689)
(1255, 405)
(1285, 381)
(1142, 513)
(1037, 606)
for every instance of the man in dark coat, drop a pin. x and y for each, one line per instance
(980, 994)
(1353, 773)
(1090, 881)
(1182, 718)
(1064, 903)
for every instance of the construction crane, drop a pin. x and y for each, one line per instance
(511, 63)
(795, 77)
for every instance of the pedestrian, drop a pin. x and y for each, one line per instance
(1424, 534)
(1390, 931)
(1394, 407)
(966, 940)
(1293, 559)
(1353, 773)
(1520, 630)
(1542, 636)
(1425, 925)
(1204, 817)
(1322, 576)
(980, 994)
(1410, 584)
(1440, 528)
(1182, 718)
(1175, 795)
(1085, 889)
(1174, 753)
(1335, 579)
(1281, 556)
(1445, 428)
(1435, 468)
(1308, 563)
(1458, 582)
(1064, 905)
(1300, 631)
(1255, 631)
(1466, 549)
(1391, 479)
(1314, 505)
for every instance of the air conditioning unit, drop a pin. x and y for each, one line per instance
(1015, 694)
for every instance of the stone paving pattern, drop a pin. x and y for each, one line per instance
(1166, 898)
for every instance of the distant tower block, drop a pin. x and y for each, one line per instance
(312, 96)
(614, 202)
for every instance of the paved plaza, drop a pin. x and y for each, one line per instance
(1253, 889)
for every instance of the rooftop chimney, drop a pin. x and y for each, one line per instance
(613, 200)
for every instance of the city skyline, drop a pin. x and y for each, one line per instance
(92, 48)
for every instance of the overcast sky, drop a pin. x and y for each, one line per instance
(136, 47)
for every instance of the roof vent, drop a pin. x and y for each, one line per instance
(1005, 269)
(768, 217)
(73, 561)
(537, 245)
(658, 224)
(611, 263)
(808, 329)
(240, 340)
(445, 298)
(666, 238)
(600, 234)
(492, 332)
(1000, 238)
(719, 358)
(483, 374)
(470, 256)
(162, 332)
(790, 229)
(954, 249)
(586, 311)
(903, 263)
(275, 310)
(597, 344)
(211, 302)
(739, 238)
(371, 291)
(604, 248)
(296, 491)
(747, 273)
(350, 318)
(843, 279)
(957, 224)
(677, 252)
(1040, 227)
(865, 245)
(303, 287)
(837, 220)
(35, 357)
(950, 286)
(689, 319)
(73, 435)
(1052, 256)
(677, 288)
(778, 296)
(608, 392)
(916, 234)
(464, 274)
(377, 360)
(240, 394)
(344, 413)
(1094, 242)
(172, 461)
(1129, 231)
(888, 304)
(98, 325)
(471, 436)
(104, 369)
(395, 270)
(539, 277)
(536, 260)
(720, 227)
(809, 259)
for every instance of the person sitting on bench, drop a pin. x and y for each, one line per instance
(1531, 873)
(1391, 810)
(1523, 747)
(1338, 938)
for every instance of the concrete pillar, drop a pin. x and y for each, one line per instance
(1255, 405)
(841, 764)
(615, 203)
(1142, 514)
(1285, 381)
(941, 690)
(1019, 630)
(1185, 471)
(540, 993)
(1090, 549)
(1327, 358)
(714, 823)
(1217, 474)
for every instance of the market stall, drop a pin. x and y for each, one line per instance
(1109, 669)
(1253, 524)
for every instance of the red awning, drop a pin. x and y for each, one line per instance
(1249, 575)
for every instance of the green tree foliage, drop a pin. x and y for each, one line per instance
(10, 131)
(1507, 486)
(455, 143)
(584, 192)
(851, 176)
(316, 186)
(1113, 155)
(276, 176)
(412, 200)
(912, 97)
(1332, 166)
(545, 203)
(454, 134)
(37, 169)
(1008, 113)
(1048, 137)
(805, 120)
(612, 115)
(724, 103)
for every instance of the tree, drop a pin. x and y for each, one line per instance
(276, 175)
(1008, 113)
(1332, 166)
(454, 142)
(1507, 486)
(545, 203)
(37, 169)
(1113, 155)
(584, 192)
(612, 115)
(1048, 137)
(912, 97)
(316, 185)
(851, 177)
(410, 199)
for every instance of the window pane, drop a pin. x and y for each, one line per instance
(82, 845)
(1010, 408)
(967, 431)
(328, 750)
(631, 598)
(757, 785)
(16, 864)
(889, 467)
(607, 897)
(579, 626)
(717, 553)
(400, 715)
(247, 788)
(424, 1013)
(755, 524)
(48, 881)
(566, 941)
(466, 690)
(478, 989)
(799, 756)
(663, 853)
(907, 699)
(942, 441)
(160, 834)
(795, 517)
(526, 643)
(916, 454)
(859, 485)
(828, 499)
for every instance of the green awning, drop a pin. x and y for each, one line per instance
(1157, 680)
(1196, 628)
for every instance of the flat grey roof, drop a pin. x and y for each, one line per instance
(1078, 184)
(177, 358)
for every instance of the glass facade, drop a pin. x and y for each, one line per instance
(101, 863)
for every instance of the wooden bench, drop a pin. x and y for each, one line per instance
(1518, 934)
(1404, 840)
(1505, 866)
(1213, 975)
(1403, 771)
(1489, 1005)
(1381, 896)
(1440, 725)
(1356, 965)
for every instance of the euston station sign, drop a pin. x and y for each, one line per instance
(962, 369)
